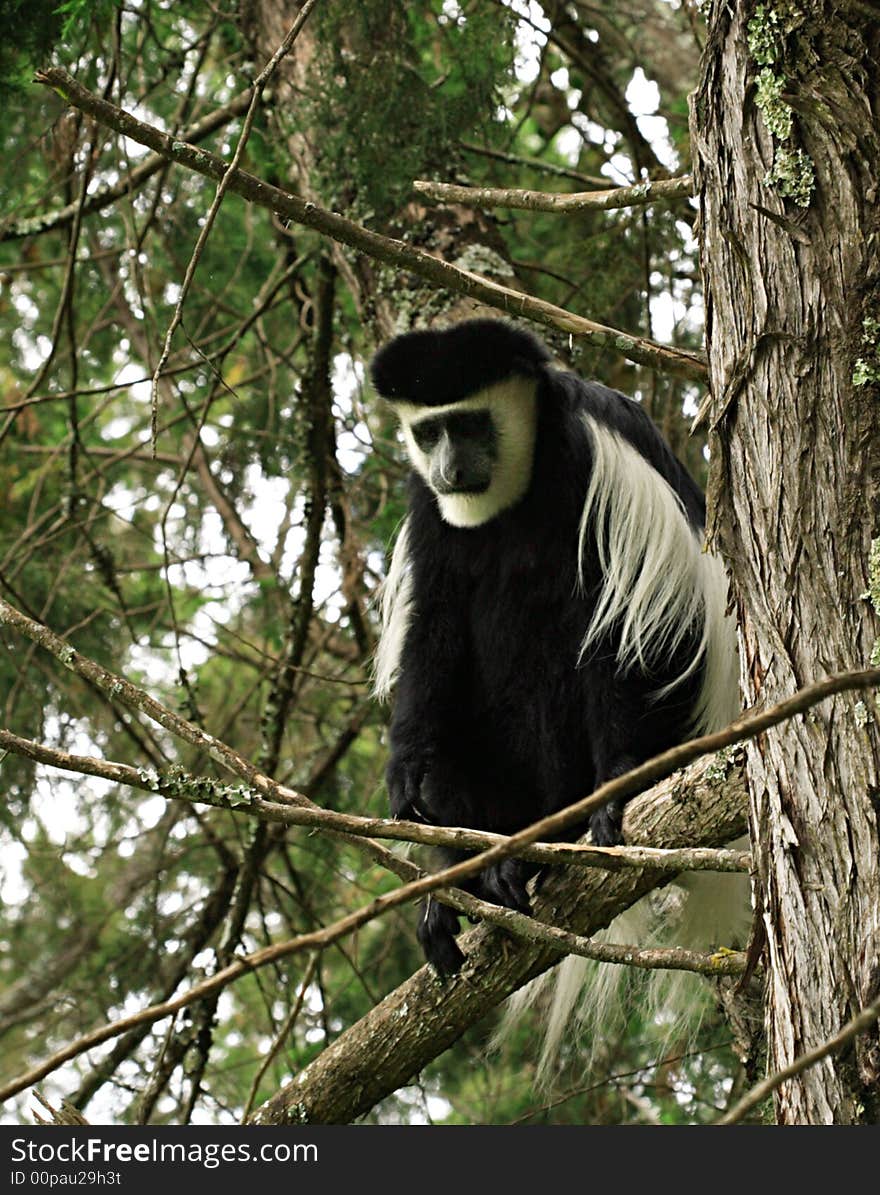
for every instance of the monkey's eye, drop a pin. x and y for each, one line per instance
(427, 434)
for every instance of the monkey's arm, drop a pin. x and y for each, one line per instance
(427, 704)
(626, 734)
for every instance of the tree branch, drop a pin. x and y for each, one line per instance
(385, 249)
(203, 790)
(706, 824)
(548, 201)
(549, 939)
(424, 1016)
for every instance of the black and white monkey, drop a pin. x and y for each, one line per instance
(550, 619)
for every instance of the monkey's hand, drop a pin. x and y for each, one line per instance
(427, 787)
(504, 883)
(403, 777)
(606, 824)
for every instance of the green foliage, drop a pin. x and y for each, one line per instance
(431, 79)
(28, 29)
(80, 12)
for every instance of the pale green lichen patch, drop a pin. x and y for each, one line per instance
(866, 370)
(872, 594)
(792, 174)
(775, 50)
(776, 112)
(873, 591)
(480, 259)
(861, 713)
(176, 783)
(766, 31)
(769, 28)
(719, 769)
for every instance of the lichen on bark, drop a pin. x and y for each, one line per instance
(778, 38)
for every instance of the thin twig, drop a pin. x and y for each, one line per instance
(534, 164)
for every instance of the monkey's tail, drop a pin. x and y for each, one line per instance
(700, 911)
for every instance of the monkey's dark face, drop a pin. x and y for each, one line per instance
(461, 448)
(475, 454)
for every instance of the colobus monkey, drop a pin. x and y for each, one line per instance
(549, 618)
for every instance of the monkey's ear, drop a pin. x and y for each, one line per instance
(433, 368)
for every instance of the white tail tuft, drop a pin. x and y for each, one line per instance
(700, 911)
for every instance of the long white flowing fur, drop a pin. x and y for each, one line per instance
(657, 583)
(396, 612)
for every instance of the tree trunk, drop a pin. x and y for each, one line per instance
(787, 158)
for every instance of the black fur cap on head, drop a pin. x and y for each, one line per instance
(432, 368)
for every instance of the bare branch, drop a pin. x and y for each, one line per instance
(533, 164)
(392, 252)
(623, 786)
(636, 780)
(421, 1018)
(547, 201)
(176, 785)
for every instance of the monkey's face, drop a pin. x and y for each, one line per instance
(459, 450)
(476, 454)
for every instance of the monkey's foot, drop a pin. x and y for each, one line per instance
(438, 926)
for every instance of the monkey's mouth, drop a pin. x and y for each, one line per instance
(464, 489)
